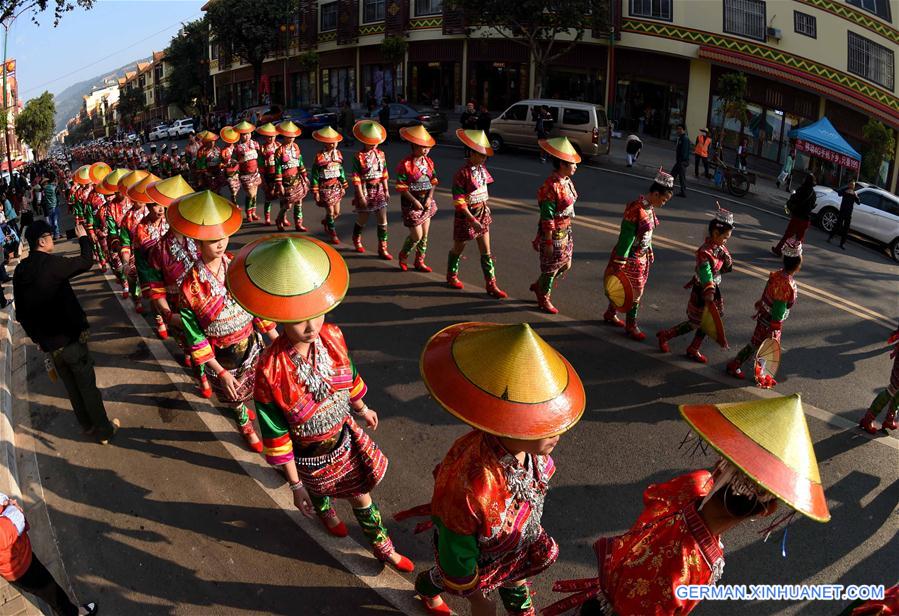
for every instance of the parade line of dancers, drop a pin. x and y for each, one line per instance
(253, 330)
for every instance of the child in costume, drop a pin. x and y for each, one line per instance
(766, 456)
(127, 227)
(147, 234)
(308, 392)
(556, 199)
(490, 487)
(267, 163)
(472, 221)
(230, 166)
(712, 260)
(370, 179)
(328, 179)
(246, 152)
(415, 182)
(632, 256)
(888, 398)
(114, 210)
(291, 179)
(774, 306)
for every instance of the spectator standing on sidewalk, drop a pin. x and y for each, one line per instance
(484, 120)
(682, 159)
(23, 570)
(786, 173)
(51, 202)
(632, 149)
(469, 117)
(701, 153)
(52, 316)
(800, 206)
(847, 205)
(347, 121)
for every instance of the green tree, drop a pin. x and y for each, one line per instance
(881, 146)
(10, 9)
(186, 54)
(34, 124)
(548, 28)
(131, 103)
(249, 28)
(732, 97)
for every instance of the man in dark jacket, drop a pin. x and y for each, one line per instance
(800, 206)
(52, 317)
(469, 117)
(847, 205)
(682, 159)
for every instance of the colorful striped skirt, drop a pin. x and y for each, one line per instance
(295, 192)
(377, 199)
(240, 360)
(696, 305)
(250, 180)
(330, 194)
(560, 256)
(637, 271)
(464, 231)
(413, 217)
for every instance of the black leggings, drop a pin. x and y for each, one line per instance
(40, 583)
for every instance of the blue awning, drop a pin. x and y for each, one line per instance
(823, 133)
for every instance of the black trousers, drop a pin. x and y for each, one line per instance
(841, 228)
(678, 172)
(40, 583)
(705, 165)
(75, 367)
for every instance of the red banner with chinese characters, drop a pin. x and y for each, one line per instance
(823, 153)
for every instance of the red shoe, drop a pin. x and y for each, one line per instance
(494, 291)
(634, 332)
(867, 423)
(138, 307)
(441, 609)
(187, 361)
(889, 422)
(338, 530)
(249, 432)
(299, 227)
(125, 293)
(357, 244)
(697, 356)
(420, 264)
(663, 337)
(205, 388)
(453, 282)
(734, 369)
(268, 218)
(333, 235)
(610, 317)
(403, 566)
(382, 251)
(281, 224)
(251, 413)
(543, 301)
(401, 260)
(162, 331)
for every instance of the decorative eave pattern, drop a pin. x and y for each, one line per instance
(367, 29)
(425, 23)
(849, 13)
(876, 97)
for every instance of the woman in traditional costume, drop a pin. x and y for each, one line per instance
(147, 234)
(128, 226)
(888, 398)
(267, 152)
(114, 211)
(246, 152)
(328, 179)
(291, 179)
(308, 392)
(416, 181)
(230, 166)
(370, 179)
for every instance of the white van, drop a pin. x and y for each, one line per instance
(585, 125)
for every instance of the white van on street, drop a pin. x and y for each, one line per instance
(585, 125)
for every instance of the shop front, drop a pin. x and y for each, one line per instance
(337, 70)
(578, 75)
(823, 152)
(380, 79)
(650, 93)
(498, 73)
(435, 73)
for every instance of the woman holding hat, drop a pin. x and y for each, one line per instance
(489, 489)
(556, 199)
(267, 152)
(765, 456)
(328, 179)
(222, 336)
(246, 152)
(370, 179)
(632, 256)
(291, 179)
(308, 392)
(230, 167)
(712, 260)
(416, 181)
(473, 218)
(112, 212)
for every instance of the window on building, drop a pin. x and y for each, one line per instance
(329, 16)
(805, 24)
(871, 61)
(745, 18)
(372, 10)
(881, 8)
(428, 7)
(654, 9)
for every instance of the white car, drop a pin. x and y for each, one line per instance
(876, 215)
(159, 132)
(181, 127)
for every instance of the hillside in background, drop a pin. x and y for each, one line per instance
(69, 101)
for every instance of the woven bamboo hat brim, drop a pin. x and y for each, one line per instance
(327, 135)
(288, 279)
(502, 379)
(110, 184)
(267, 130)
(475, 140)
(164, 192)
(289, 129)
(769, 441)
(204, 215)
(369, 132)
(208, 136)
(418, 135)
(138, 191)
(229, 135)
(244, 127)
(561, 148)
(98, 171)
(130, 180)
(82, 175)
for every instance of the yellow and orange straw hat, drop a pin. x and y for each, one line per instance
(289, 129)
(288, 279)
(369, 132)
(98, 171)
(503, 379)
(138, 190)
(267, 130)
(769, 441)
(475, 140)
(208, 135)
(130, 180)
(327, 135)
(110, 184)
(229, 135)
(164, 192)
(82, 175)
(244, 127)
(560, 148)
(418, 135)
(204, 215)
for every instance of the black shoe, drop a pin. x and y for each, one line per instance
(90, 608)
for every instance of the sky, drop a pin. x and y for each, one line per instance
(89, 43)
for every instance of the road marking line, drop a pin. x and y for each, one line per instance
(352, 555)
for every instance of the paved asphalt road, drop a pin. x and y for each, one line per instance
(167, 521)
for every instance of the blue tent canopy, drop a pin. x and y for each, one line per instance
(823, 133)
